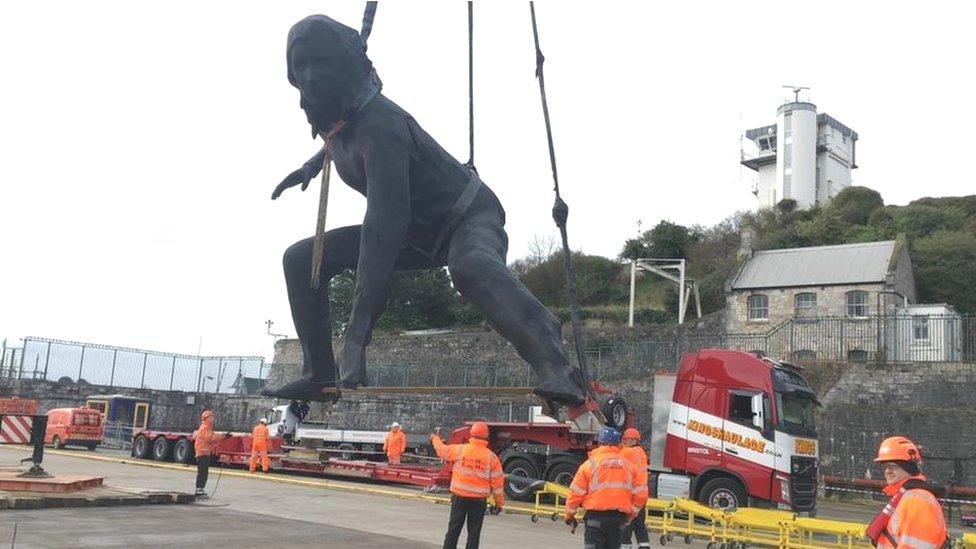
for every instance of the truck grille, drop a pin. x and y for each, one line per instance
(803, 488)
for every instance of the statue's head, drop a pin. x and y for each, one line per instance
(327, 63)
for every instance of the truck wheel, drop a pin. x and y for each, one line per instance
(722, 493)
(162, 449)
(562, 472)
(520, 467)
(91, 446)
(615, 410)
(140, 448)
(56, 442)
(183, 451)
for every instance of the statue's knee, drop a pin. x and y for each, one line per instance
(464, 271)
(297, 256)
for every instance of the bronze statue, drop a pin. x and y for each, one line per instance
(424, 210)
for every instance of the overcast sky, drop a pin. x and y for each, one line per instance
(139, 142)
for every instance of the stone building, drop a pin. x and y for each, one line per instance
(832, 299)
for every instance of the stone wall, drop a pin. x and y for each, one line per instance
(831, 302)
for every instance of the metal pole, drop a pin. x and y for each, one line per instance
(23, 352)
(200, 374)
(142, 383)
(681, 294)
(172, 372)
(47, 359)
(111, 379)
(633, 279)
(81, 363)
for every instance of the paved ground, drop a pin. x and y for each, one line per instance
(268, 511)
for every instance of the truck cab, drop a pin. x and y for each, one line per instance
(732, 429)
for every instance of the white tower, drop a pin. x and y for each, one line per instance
(805, 156)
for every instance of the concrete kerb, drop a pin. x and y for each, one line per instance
(318, 483)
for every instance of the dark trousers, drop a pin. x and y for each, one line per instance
(203, 470)
(637, 529)
(603, 529)
(472, 510)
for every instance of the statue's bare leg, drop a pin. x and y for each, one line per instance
(476, 260)
(310, 308)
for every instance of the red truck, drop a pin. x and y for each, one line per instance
(728, 429)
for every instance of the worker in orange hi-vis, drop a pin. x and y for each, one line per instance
(395, 444)
(633, 451)
(259, 446)
(204, 439)
(913, 518)
(476, 473)
(608, 488)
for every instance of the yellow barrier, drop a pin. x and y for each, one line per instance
(689, 520)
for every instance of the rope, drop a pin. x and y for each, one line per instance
(368, 17)
(560, 213)
(470, 163)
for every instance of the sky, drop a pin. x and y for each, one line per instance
(140, 142)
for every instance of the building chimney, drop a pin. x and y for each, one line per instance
(747, 243)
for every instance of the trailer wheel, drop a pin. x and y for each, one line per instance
(562, 472)
(162, 449)
(140, 447)
(183, 451)
(520, 467)
(615, 410)
(722, 493)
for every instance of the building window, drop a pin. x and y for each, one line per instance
(920, 327)
(758, 307)
(857, 355)
(804, 354)
(857, 304)
(805, 304)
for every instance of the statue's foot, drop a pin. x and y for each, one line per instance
(353, 378)
(300, 389)
(561, 391)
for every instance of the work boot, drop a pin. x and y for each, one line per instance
(201, 494)
(560, 385)
(301, 389)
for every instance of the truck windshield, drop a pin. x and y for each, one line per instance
(797, 412)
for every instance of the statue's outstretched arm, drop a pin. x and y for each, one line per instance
(387, 163)
(302, 175)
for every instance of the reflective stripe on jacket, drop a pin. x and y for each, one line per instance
(395, 443)
(607, 482)
(476, 472)
(917, 522)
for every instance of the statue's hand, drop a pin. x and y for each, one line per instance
(302, 176)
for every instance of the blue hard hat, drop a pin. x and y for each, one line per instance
(609, 435)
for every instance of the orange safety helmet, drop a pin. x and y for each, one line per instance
(479, 430)
(898, 449)
(632, 433)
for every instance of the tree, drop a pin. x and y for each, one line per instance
(665, 240)
(418, 300)
(945, 269)
(596, 281)
(854, 205)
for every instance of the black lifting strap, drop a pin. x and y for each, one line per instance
(470, 163)
(560, 212)
(368, 17)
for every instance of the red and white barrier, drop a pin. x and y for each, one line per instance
(15, 429)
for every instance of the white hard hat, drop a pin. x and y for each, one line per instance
(395, 424)
(263, 420)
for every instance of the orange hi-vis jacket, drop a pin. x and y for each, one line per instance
(259, 437)
(204, 439)
(637, 456)
(395, 443)
(917, 522)
(607, 481)
(477, 471)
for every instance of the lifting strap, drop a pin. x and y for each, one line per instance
(368, 17)
(470, 163)
(560, 212)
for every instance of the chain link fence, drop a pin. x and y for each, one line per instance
(112, 366)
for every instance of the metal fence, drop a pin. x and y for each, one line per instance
(57, 360)
(880, 339)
